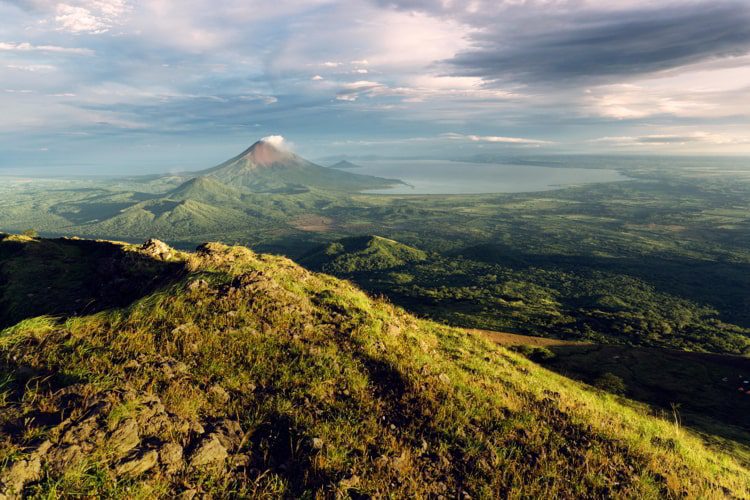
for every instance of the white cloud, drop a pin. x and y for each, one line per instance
(27, 47)
(316, 78)
(495, 139)
(89, 16)
(279, 142)
(353, 90)
(33, 68)
(697, 137)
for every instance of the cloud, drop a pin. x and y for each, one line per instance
(674, 139)
(33, 68)
(353, 90)
(597, 44)
(277, 141)
(92, 16)
(495, 139)
(27, 47)
(211, 73)
(78, 16)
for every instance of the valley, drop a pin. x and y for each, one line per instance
(659, 260)
(633, 291)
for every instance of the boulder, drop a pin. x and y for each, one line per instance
(125, 437)
(171, 457)
(139, 464)
(157, 249)
(210, 453)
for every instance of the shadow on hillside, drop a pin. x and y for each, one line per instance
(701, 388)
(67, 277)
(721, 285)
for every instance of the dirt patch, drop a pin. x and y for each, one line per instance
(513, 339)
(313, 223)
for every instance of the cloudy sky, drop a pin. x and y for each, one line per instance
(160, 84)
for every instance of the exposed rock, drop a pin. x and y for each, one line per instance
(62, 457)
(317, 443)
(139, 464)
(22, 472)
(87, 428)
(125, 437)
(210, 453)
(171, 456)
(157, 249)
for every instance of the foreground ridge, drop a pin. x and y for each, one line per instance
(227, 372)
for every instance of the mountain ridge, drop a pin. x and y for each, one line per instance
(243, 374)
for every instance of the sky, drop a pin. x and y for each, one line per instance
(147, 85)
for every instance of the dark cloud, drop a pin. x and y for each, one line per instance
(542, 48)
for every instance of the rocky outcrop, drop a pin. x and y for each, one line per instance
(135, 434)
(157, 249)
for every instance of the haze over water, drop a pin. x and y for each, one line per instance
(452, 177)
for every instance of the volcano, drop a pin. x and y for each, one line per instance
(270, 166)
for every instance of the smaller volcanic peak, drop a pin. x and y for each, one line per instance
(344, 165)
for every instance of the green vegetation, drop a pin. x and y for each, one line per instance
(611, 383)
(245, 375)
(361, 254)
(700, 390)
(571, 298)
(662, 260)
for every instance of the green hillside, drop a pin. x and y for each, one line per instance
(362, 253)
(245, 375)
(207, 190)
(170, 217)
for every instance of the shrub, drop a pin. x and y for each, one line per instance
(537, 354)
(611, 383)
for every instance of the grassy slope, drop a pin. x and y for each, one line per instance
(574, 298)
(362, 253)
(333, 392)
(699, 389)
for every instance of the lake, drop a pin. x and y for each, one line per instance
(452, 177)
